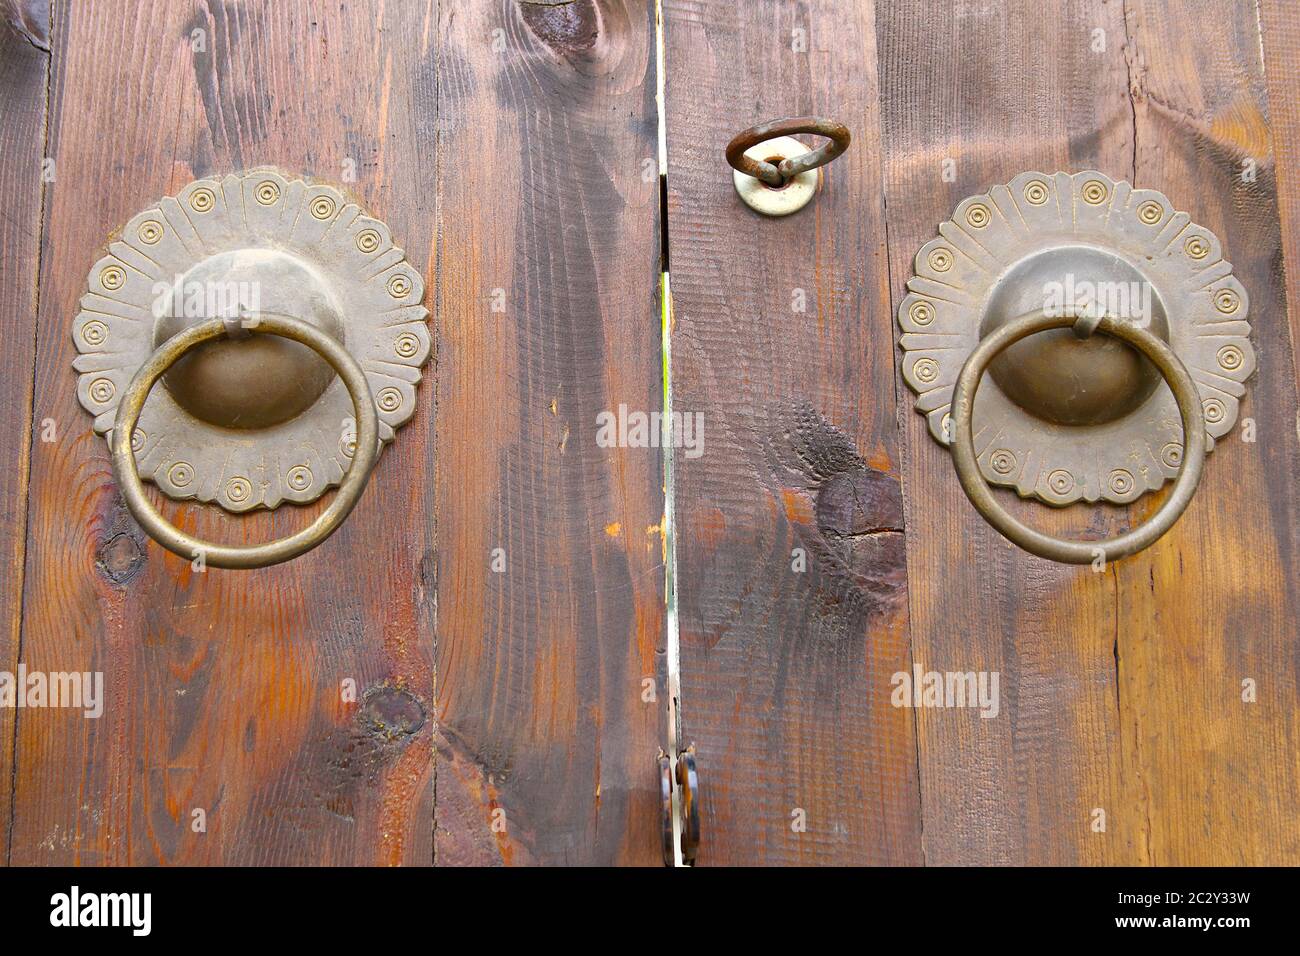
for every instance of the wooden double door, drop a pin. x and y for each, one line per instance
(529, 615)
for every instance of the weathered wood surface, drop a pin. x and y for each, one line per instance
(783, 344)
(24, 67)
(548, 195)
(1121, 691)
(1280, 26)
(985, 92)
(532, 127)
(511, 148)
(1215, 779)
(223, 689)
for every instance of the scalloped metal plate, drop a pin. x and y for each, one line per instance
(385, 330)
(988, 234)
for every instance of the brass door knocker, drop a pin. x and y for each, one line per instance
(1115, 340)
(288, 332)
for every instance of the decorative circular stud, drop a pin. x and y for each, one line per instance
(1003, 462)
(238, 489)
(925, 370)
(1036, 192)
(112, 278)
(1095, 192)
(1120, 482)
(181, 474)
(1230, 357)
(94, 332)
(202, 199)
(940, 260)
(406, 345)
(1060, 481)
(398, 286)
(1064, 403)
(1151, 212)
(102, 391)
(256, 419)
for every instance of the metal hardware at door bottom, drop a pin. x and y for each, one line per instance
(688, 797)
(688, 781)
(666, 806)
(283, 549)
(1036, 542)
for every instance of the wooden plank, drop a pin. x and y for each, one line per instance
(1217, 777)
(546, 302)
(973, 95)
(781, 345)
(1280, 29)
(24, 67)
(223, 689)
(1121, 691)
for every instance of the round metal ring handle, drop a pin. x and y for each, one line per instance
(283, 549)
(779, 174)
(1036, 542)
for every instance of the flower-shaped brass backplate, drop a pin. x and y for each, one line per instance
(252, 421)
(1060, 417)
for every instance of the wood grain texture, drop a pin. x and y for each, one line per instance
(223, 689)
(546, 302)
(24, 67)
(996, 89)
(1280, 28)
(1216, 779)
(1121, 691)
(782, 345)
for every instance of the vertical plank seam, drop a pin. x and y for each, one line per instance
(901, 411)
(31, 420)
(434, 325)
(1130, 56)
(672, 632)
(1280, 151)
(1129, 46)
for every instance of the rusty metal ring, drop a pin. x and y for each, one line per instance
(1045, 545)
(778, 175)
(255, 556)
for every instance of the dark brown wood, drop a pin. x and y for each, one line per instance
(1215, 778)
(513, 716)
(223, 689)
(24, 68)
(982, 93)
(548, 199)
(1281, 35)
(1121, 691)
(781, 343)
